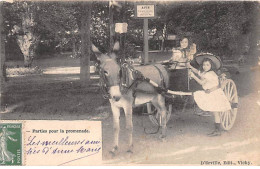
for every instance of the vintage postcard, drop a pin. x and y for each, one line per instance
(87, 83)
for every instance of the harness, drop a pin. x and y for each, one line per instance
(128, 80)
(127, 71)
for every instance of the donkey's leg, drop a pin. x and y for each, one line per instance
(129, 126)
(116, 127)
(162, 109)
(159, 104)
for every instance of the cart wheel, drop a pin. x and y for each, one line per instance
(228, 117)
(155, 117)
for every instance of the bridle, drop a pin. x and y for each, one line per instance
(128, 78)
(103, 83)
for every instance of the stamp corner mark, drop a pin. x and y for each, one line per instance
(10, 144)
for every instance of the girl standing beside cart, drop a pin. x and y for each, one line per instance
(212, 97)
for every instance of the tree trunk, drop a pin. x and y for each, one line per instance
(86, 43)
(26, 39)
(2, 60)
(26, 45)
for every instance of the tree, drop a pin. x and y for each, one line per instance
(100, 30)
(26, 36)
(160, 25)
(58, 26)
(223, 28)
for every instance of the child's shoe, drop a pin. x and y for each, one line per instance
(216, 132)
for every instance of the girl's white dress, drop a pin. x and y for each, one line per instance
(215, 101)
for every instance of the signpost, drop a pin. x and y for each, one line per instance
(145, 11)
(121, 28)
(2, 58)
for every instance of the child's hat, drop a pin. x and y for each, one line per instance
(215, 59)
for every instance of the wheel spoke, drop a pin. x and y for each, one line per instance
(229, 118)
(232, 97)
(226, 91)
(228, 87)
(226, 120)
(227, 123)
(169, 111)
(157, 115)
(231, 115)
(222, 116)
(231, 91)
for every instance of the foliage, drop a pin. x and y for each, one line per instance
(224, 28)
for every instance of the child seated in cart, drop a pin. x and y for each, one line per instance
(184, 53)
(178, 72)
(212, 98)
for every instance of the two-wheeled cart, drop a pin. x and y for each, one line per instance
(181, 84)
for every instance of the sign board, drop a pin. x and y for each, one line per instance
(171, 37)
(145, 11)
(121, 27)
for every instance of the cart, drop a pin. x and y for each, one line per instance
(180, 81)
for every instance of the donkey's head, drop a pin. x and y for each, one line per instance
(109, 68)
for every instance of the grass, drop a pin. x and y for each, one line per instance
(54, 90)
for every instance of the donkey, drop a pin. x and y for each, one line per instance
(142, 93)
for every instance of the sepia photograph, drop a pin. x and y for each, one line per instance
(124, 82)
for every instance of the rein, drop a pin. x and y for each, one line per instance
(104, 84)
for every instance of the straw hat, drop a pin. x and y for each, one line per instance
(215, 59)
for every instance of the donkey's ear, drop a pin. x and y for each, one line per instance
(96, 52)
(116, 46)
(95, 49)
